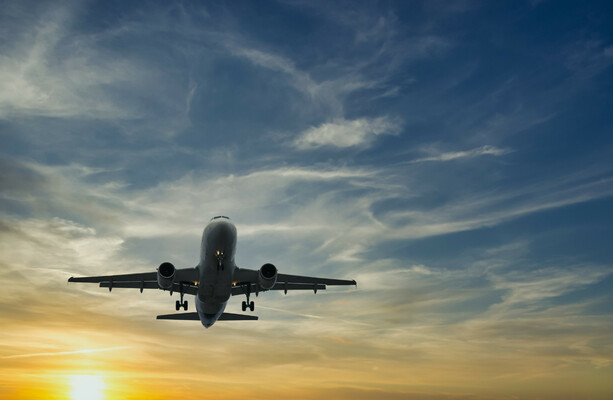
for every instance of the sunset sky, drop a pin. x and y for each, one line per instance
(454, 158)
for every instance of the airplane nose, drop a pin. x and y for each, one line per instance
(222, 237)
(224, 230)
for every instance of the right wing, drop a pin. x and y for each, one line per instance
(253, 287)
(244, 275)
(246, 281)
(310, 280)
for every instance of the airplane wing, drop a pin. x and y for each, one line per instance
(246, 281)
(244, 288)
(311, 280)
(184, 280)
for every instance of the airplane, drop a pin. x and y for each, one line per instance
(214, 280)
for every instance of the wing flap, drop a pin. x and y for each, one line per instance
(131, 285)
(176, 287)
(242, 289)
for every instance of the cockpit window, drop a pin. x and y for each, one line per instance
(220, 216)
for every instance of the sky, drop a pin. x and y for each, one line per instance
(454, 158)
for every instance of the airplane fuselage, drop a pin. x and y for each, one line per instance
(215, 269)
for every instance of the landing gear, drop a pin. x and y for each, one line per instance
(181, 304)
(248, 304)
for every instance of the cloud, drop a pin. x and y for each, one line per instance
(531, 287)
(454, 155)
(34, 81)
(324, 95)
(48, 68)
(332, 210)
(62, 353)
(344, 133)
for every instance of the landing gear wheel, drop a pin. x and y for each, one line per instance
(244, 305)
(185, 305)
(252, 306)
(177, 305)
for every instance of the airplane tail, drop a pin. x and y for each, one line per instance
(193, 316)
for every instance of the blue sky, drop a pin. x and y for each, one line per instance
(453, 157)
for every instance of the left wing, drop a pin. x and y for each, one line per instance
(184, 281)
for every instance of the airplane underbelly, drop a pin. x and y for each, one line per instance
(216, 284)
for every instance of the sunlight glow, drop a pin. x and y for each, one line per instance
(87, 387)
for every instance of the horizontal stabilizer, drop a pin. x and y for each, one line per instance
(237, 317)
(188, 316)
(193, 316)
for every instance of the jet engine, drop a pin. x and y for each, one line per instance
(166, 275)
(267, 276)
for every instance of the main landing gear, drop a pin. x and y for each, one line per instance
(181, 304)
(248, 304)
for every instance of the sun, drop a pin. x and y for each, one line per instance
(87, 387)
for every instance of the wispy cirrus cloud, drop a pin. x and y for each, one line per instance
(326, 94)
(63, 353)
(36, 82)
(343, 133)
(455, 155)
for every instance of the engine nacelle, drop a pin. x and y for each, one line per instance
(267, 276)
(166, 275)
